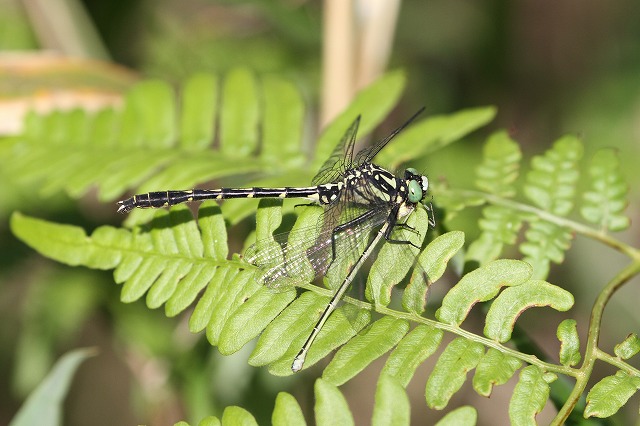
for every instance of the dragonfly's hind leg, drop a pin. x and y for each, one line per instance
(347, 225)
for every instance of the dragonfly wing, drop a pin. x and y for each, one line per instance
(306, 253)
(367, 154)
(334, 167)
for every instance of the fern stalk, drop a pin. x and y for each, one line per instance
(577, 227)
(591, 350)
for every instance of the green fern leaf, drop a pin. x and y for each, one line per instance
(496, 175)
(171, 264)
(248, 321)
(450, 372)
(509, 304)
(287, 411)
(414, 348)
(433, 260)
(240, 115)
(282, 122)
(530, 396)
(433, 133)
(343, 324)
(70, 244)
(219, 302)
(569, 342)
(158, 139)
(453, 202)
(608, 395)
(546, 242)
(331, 407)
(551, 185)
(461, 416)
(199, 101)
(628, 347)
(481, 285)
(393, 262)
(238, 416)
(391, 403)
(500, 227)
(209, 421)
(500, 165)
(295, 320)
(163, 139)
(360, 351)
(552, 179)
(494, 368)
(141, 122)
(605, 202)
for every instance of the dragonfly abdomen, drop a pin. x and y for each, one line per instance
(170, 198)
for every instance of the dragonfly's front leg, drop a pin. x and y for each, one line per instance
(392, 220)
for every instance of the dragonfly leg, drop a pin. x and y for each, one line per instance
(344, 226)
(432, 217)
(393, 223)
(407, 227)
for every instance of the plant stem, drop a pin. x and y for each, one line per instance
(577, 227)
(591, 351)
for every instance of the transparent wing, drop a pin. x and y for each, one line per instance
(367, 155)
(306, 253)
(334, 167)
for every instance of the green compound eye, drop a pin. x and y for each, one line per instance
(415, 191)
(412, 170)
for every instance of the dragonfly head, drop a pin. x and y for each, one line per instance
(417, 185)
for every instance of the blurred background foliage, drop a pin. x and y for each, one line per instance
(550, 68)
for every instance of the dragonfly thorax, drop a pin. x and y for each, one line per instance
(370, 184)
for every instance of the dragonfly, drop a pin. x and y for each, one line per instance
(362, 203)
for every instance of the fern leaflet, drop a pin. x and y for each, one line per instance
(605, 202)
(551, 185)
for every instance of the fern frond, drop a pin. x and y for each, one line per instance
(236, 415)
(496, 175)
(391, 403)
(551, 182)
(287, 411)
(481, 285)
(494, 368)
(551, 185)
(628, 348)
(414, 348)
(461, 416)
(450, 372)
(606, 200)
(500, 165)
(510, 304)
(167, 262)
(608, 395)
(331, 407)
(500, 227)
(395, 260)
(379, 338)
(546, 242)
(433, 260)
(530, 395)
(567, 333)
(434, 133)
(250, 127)
(392, 407)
